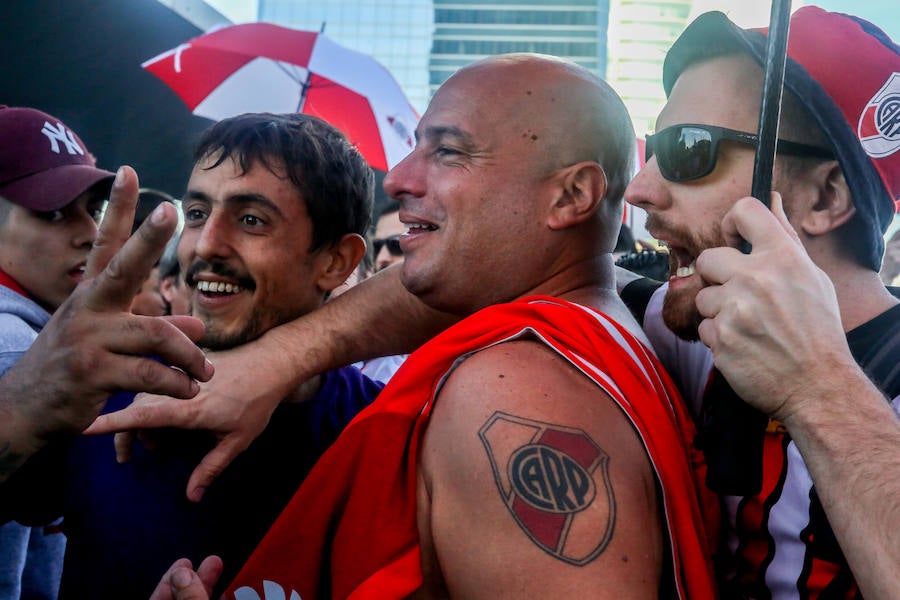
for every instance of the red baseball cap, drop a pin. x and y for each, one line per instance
(44, 165)
(846, 73)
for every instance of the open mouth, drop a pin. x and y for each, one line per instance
(682, 262)
(413, 228)
(77, 272)
(215, 288)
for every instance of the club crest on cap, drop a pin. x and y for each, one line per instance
(879, 124)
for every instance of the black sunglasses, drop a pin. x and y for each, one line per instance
(689, 151)
(393, 245)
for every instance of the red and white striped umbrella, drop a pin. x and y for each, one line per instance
(260, 67)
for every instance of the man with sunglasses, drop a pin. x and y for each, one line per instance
(386, 241)
(820, 436)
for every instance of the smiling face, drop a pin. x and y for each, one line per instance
(476, 191)
(245, 252)
(687, 215)
(45, 252)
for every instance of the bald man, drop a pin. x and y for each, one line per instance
(536, 448)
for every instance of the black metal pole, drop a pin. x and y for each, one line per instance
(304, 87)
(773, 83)
(732, 432)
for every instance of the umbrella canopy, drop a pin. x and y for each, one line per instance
(260, 67)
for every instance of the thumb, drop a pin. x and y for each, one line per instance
(777, 208)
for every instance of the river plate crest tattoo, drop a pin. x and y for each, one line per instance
(555, 482)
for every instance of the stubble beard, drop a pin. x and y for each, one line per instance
(680, 314)
(679, 311)
(259, 322)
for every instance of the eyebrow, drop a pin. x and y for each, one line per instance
(241, 199)
(438, 132)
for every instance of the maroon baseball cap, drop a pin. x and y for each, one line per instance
(846, 73)
(43, 164)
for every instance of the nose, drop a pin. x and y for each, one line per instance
(383, 259)
(213, 238)
(648, 189)
(406, 179)
(85, 230)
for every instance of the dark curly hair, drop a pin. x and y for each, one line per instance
(331, 175)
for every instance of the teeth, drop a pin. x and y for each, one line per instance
(685, 271)
(421, 226)
(219, 287)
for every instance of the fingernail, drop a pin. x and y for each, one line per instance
(157, 216)
(198, 494)
(181, 579)
(120, 177)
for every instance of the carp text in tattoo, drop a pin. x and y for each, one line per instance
(548, 476)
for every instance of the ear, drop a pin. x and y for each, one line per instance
(581, 189)
(833, 206)
(167, 288)
(335, 264)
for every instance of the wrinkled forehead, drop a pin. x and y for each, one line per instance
(474, 95)
(493, 102)
(723, 91)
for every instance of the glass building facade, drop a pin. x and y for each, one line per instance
(396, 32)
(422, 42)
(640, 33)
(466, 30)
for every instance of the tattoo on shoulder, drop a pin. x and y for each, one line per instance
(548, 476)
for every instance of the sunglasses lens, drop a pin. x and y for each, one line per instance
(683, 153)
(393, 246)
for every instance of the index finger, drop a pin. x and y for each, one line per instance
(161, 412)
(115, 286)
(117, 221)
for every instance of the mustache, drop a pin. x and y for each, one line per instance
(675, 233)
(217, 268)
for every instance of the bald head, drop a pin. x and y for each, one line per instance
(556, 107)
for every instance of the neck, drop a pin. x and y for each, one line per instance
(861, 295)
(592, 283)
(585, 281)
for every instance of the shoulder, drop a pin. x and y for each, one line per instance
(517, 423)
(16, 336)
(520, 371)
(527, 383)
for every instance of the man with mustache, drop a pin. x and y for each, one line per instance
(274, 211)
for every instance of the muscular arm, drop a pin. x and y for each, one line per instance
(773, 324)
(479, 453)
(378, 317)
(93, 345)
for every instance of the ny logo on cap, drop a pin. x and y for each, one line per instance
(61, 134)
(879, 124)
